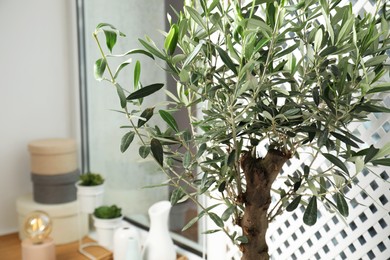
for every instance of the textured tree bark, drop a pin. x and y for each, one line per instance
(260, 173)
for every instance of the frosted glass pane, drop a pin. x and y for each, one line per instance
(127, 174)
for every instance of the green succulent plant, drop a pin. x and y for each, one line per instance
(91, 179)
(108, 212)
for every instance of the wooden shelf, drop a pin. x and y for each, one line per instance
(10, 249)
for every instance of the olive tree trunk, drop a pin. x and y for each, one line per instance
(260, 173)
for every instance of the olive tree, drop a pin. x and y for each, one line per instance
(287, 75)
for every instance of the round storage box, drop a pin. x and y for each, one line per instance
(53, 189)
(53, 156)
(68, 223)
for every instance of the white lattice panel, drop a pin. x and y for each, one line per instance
(365, 234)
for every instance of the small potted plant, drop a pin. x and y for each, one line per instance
(90, 189)
(106, 220)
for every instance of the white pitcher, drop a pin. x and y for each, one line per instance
(159, 244)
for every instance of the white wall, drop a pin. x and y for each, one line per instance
(38, 89)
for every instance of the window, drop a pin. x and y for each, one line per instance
(126, 173)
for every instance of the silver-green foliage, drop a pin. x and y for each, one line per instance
(291, 75)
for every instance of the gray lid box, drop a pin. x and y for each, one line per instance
(55, 189)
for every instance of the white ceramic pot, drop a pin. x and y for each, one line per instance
(105, 229)
(159, 244)
(133, 250)
(89, 197)
(126, 246)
